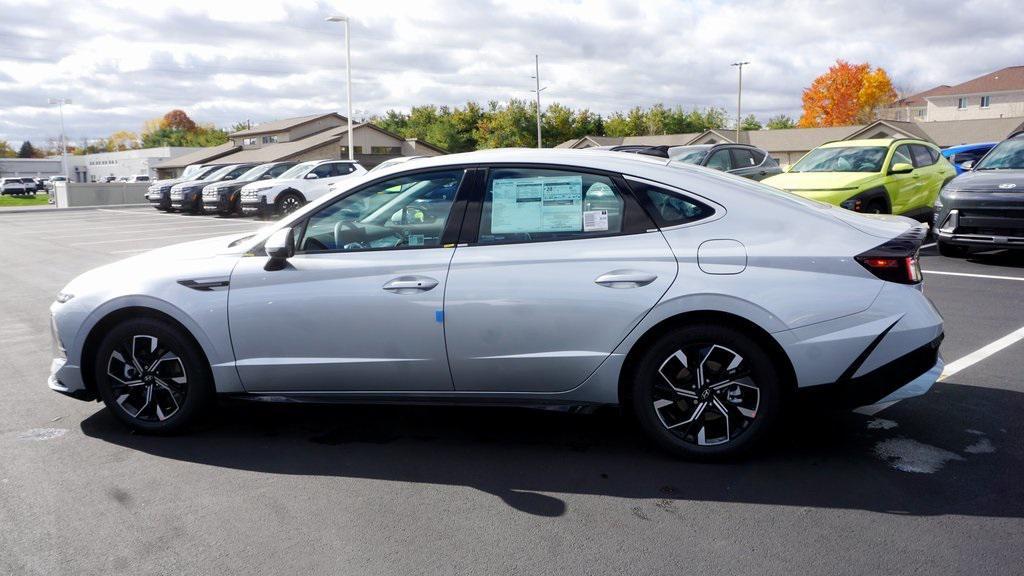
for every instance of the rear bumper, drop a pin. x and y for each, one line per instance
(910, 375)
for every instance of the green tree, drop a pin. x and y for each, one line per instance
(6, 151)
(780, 122)
(509, 125)
(750, 122)
(26, 150)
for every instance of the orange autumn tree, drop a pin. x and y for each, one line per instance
(846, 94)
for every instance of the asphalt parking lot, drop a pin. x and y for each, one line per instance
(931, 485)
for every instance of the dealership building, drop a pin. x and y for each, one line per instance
(95, 167)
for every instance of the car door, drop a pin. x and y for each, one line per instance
(318, 178)
(930, 176)
(902, 187)
(359, 307)
(554, 268)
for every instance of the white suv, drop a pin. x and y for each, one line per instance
(304, 182)
(12, 186)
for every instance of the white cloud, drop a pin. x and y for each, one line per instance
(123, 61)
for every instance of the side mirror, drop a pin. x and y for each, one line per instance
(311, 176)
(266, 177)
(280, 247)
(785, 167)
(901, 168)
(967, 165)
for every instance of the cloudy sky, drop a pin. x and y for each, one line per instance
(222, 61)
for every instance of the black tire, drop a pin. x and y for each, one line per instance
(289, 202)
(875, 206)
(742, 380)
(174, 388)
(951, 250)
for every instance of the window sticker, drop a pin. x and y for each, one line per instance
(595, 221)
(539, 204)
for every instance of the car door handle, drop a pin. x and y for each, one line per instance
(410, 284)
(625, 279)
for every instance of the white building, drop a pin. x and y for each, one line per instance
(999, 94)
(99, 167)
(29, 167)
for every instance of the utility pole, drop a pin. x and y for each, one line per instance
(739, 98)
(348, 82)
(60, 102)
(536, 76)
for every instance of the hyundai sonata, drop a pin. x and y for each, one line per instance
(701, 302)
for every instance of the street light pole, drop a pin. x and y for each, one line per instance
(739, 98)
(536, 76)
(348, 82)
(60, 102)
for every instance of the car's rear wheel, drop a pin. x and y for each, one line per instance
(151, 376)
(951, 250)
(289, 202)
(706, 392)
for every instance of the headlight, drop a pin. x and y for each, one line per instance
(63, 297)
(175, 193)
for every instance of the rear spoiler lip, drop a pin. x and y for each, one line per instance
(906, 244)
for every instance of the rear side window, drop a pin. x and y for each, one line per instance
(742, 158)
(669, 208)
(531, 205)
(922, 156)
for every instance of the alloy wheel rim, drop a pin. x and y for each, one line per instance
(148, 378)
(704, 394)
(290, 204)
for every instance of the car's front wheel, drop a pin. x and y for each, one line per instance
(151, 376)
(289, 202)
(706, 392)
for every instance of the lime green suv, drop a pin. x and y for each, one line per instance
(882, 176)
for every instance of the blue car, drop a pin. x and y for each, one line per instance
(957, 155)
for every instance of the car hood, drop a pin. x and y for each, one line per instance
(196, 183)
(149, 272)
(989, 181)
(798, 181)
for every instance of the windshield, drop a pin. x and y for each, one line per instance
(689, 155)
(846, 159)
(219, 173)
(1008, 155)
(255, 172)
(299, 170)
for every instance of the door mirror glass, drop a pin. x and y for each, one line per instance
(311, 176)
(901, 168)
(967, 165)
(280, 247)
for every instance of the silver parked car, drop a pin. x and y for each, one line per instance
(702, 302)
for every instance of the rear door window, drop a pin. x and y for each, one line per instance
(743, 158)
(720, 160)
(921, 156)
(533, 204)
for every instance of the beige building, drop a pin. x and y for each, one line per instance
(788, 145)
(316, 137)
(999, 94)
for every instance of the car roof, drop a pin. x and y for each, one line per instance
(965, 147)
(886, 142)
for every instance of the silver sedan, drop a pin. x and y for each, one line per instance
(702, 302)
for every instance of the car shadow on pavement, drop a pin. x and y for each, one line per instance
(956, 450)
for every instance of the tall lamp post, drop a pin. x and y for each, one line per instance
(536, 76)
(60, 102)
(739, 98)
(348, 83)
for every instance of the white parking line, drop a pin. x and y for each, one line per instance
(927, 245)
(982, 353)
(991, 276)
(171, 230)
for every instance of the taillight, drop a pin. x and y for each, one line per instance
(896, 260)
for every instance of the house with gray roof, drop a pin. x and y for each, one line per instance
(313, 137)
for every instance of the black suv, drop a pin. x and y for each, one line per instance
(739, 159)
(984, 207)
(225, 197)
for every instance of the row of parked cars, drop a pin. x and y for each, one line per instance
(23, 186)
(972, 194)
(262, 189)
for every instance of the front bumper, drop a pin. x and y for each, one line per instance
(159, 201)
(257, 206)
(67, 380)
(188, 203)
(224, 203)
